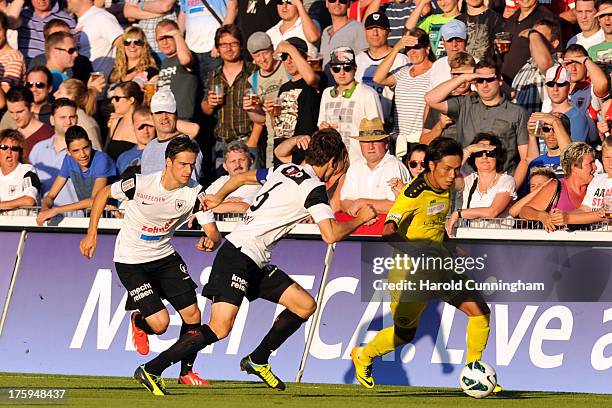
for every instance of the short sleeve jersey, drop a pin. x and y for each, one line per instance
(420, 211)
(21, 182)
(152, 214)
(289, 194)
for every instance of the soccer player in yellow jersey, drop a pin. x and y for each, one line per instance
(418, 216)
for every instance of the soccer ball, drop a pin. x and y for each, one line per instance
(478, 379)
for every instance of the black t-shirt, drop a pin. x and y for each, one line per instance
(184, 85)
(256, 15)
(519, 49)
(300, 110)
(481, 33)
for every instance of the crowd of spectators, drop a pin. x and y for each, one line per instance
(94, 90)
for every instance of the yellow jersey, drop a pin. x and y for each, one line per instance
(419, 212)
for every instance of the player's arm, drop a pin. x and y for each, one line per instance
(88, 244)
(232, 207)
(211, 238)
(333, 231)
(234, 183)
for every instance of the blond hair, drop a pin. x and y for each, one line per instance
(84, 97)
(573, 155)
(121, 63)
(543, 171)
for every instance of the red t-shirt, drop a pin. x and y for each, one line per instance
(357, 13)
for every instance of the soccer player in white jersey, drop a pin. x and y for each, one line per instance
(242, 267)
(146, 262)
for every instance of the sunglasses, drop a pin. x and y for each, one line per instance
(547, 129)
(281, 56)
(11, 148)
(485, 153)
(551, 84)
(39, 85)
(340, 1)
(415, 163)
(337, 68)
(117, 98)
(135, 41)
(416, 47)
(487, 80)
(68, 50)
(281, 2)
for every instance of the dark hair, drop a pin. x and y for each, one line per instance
(231, 29)
(130, 171)
(166, 22)
(74, 133)
(325, 144)
(423, 40)
(181, 144)
(44, 70)
(132, 90)
(499, 149)
(20, 93)
(4, 21)
(62, 102)
(51, 24)
(142, 110)
(555, 28)
(17, 137)
(577, 48)
(487, 64)
(54, 39)
(418, 147)
(441, 147)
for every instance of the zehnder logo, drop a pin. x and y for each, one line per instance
(157, 230)
(141, 292)
(239, 283)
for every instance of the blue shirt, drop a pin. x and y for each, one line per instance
(129, 158)
(48, 162)
(101, 165)
(58, 78)
(579, 125)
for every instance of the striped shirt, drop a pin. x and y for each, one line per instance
(232, 121)
(30, 34)
(12, 68)
(397, 13)
(409, 106)
(148, 24)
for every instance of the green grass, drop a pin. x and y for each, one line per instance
(116, 392)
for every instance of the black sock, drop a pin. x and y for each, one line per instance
(142, 324)
(189, 343)
(284, 326)
(187, 362)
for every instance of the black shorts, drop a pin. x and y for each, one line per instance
(150, 282)
(234, 275)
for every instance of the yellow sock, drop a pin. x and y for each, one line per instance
(477, 336)
(384, 342)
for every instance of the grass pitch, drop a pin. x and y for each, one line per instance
(116, 392)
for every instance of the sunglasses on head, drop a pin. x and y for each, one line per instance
(487, 80)
(11, 148)
(136, 41)
(340, 1)
(337, 68)
(39, 85)
(487, 153)
(551, 84)
(414, 163)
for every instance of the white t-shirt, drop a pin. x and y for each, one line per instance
(23, 181)
(289, 194)
(587, 43)
(345, 114)
(152, 214)
(505, 184)
(362, 182)
(95, 32)
(200, 24)
(440, 72)
(599, 188)
(366, 67)
(297, 30)
(246, 192)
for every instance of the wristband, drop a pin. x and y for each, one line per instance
(459, 213)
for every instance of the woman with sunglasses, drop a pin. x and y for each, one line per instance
(415, 162)
(85, 98)
(127, 97)
(411, 83)
(134, 61)
(19, 184)
(487, 191)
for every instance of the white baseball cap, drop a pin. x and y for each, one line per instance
(163, 101)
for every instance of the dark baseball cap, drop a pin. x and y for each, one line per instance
(299, 44)
(377, 20)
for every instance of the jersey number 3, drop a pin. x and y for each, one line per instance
(260, 199)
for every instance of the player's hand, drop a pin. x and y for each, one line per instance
(302, 142)
(44, 215)
(452, 223)
(208, 202)
(205, 244)
(366, 213)
(355, 207)
(88, 245)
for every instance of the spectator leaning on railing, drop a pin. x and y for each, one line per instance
(19, 183)
(538, 178)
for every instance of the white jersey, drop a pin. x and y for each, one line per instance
(246, 192)
(152, 214)
(290, 194)
(23, 181)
